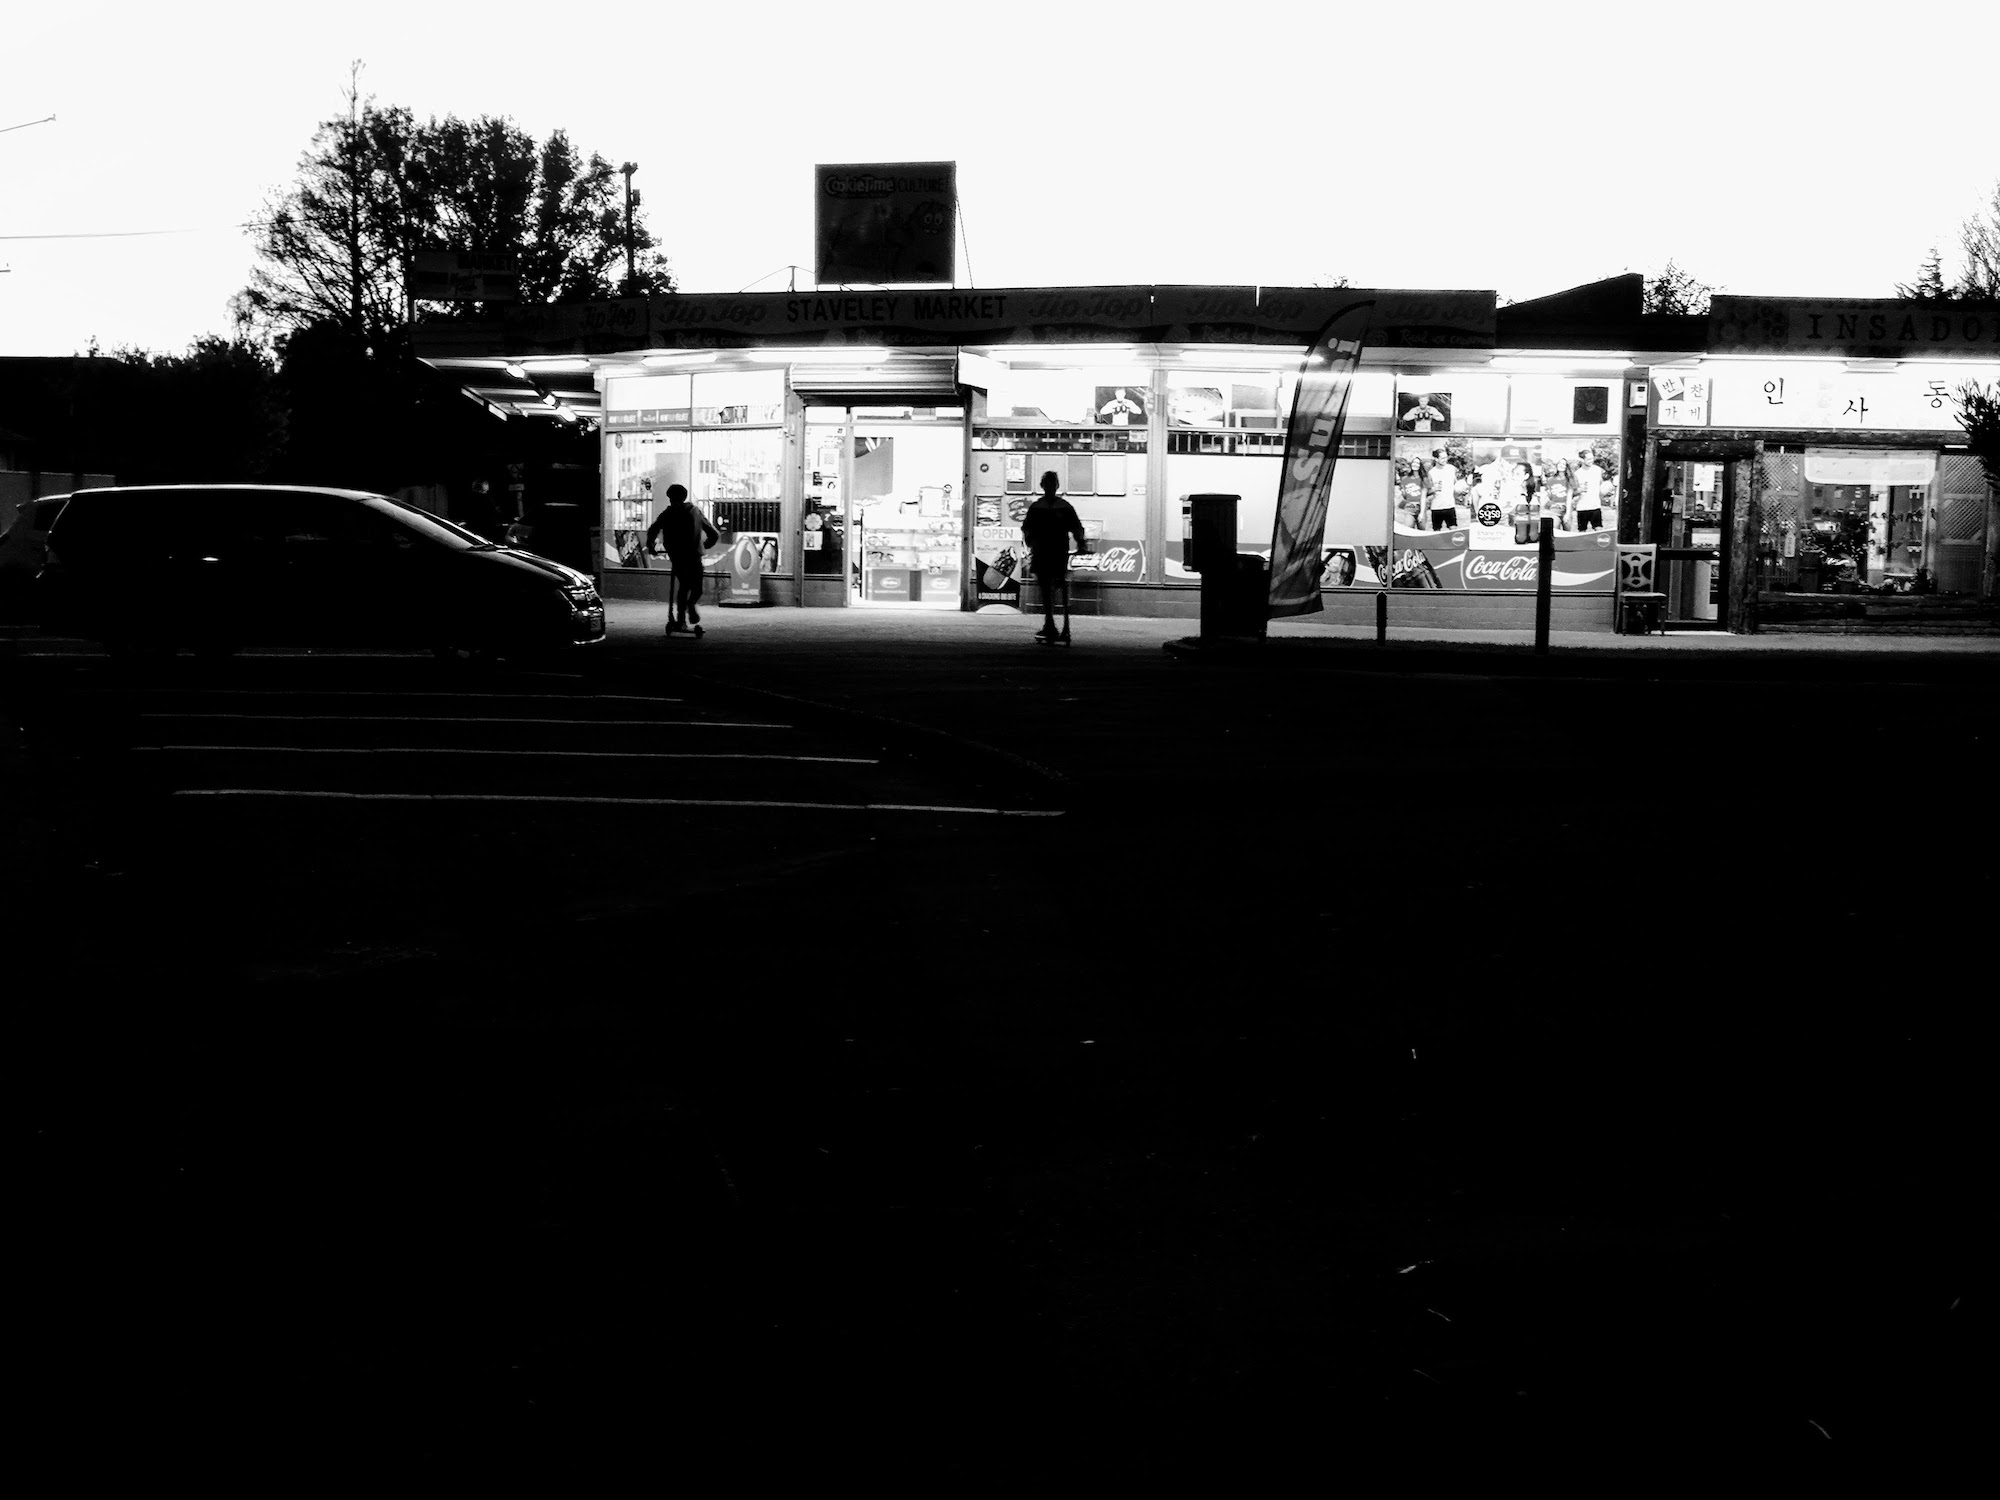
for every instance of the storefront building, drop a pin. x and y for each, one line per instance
(877, 449)
(1814, 445)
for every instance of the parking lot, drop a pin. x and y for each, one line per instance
(1299, 1063)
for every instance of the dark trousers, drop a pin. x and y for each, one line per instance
(1444, 520)
(687, 580)
(1052, 577)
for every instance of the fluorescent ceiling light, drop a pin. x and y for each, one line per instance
(1869, 366)
(519, 372)
(560, 366)
(669, 361)
(1096, 353)
(1230, 359)
(819, 354)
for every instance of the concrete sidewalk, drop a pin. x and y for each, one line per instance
(837, 631)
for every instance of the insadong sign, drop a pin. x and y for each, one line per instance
(1865, 328)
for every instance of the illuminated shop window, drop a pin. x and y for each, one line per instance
(1116, 397)
(735, 398)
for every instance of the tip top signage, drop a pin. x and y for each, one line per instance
(885, 223)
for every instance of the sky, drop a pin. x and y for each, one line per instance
(1767, 148)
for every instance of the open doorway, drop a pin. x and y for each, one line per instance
(1694, 508)
(909, 512)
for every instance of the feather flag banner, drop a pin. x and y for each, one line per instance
(1312, 444)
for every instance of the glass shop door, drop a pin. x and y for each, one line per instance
(1694, 502)
(823, 514)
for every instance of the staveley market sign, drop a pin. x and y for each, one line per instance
(1050, 315)
(1878, 328)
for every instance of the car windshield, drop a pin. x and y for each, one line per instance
(449, 532)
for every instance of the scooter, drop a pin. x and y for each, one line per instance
(674, 625)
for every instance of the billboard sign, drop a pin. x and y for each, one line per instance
(884, 223)
(464, 276)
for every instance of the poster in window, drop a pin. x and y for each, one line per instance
(1196, 406)
(1428, 411)
(1121, 405)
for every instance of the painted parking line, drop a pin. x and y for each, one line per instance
(283, 692)
(822, 760)
(469, 719)
(732, 802)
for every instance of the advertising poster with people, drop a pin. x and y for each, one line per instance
(1457, 495)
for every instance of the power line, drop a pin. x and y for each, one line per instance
(769, 274)
(958, 213)
(45, 120)
(107, 234)
(127, 234)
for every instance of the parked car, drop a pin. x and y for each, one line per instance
(24, 546)
(216, 567)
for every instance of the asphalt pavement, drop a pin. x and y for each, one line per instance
(1428, 1050)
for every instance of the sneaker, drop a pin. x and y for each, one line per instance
(694, 615)
(1047, 633)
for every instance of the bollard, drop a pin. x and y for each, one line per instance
(1544, 571)
(1381, 617)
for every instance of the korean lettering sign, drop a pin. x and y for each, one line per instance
(1683, 399)
(1909, 397)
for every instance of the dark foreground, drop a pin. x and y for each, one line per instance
(1349, 1066)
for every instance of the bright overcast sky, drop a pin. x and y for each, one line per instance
(1805, 149)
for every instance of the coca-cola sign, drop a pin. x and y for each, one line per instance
(1121, 561)
(1584, 564)
(1503, 569)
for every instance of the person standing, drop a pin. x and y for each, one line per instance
(682, 532)
(1440, 481)
(1587, 484)
(1047, 528)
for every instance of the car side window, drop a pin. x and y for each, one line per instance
(310, 521)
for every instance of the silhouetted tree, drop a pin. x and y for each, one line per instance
(1929, 285)
(1673, 290)
(1979, 240)
(1979, 414)
(375, 186)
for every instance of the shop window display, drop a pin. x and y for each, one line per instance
(736, 398)
(715, 432)
(1089, 427)
(1442, 404)
(738, 481)
(1226, 434)
(1109, 396)
(1468, 511)
(638, 467)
